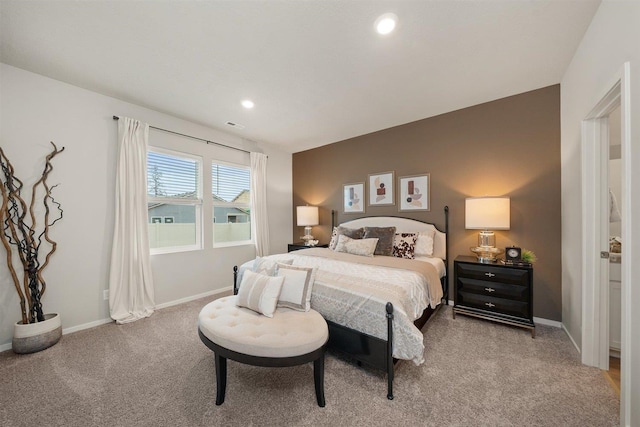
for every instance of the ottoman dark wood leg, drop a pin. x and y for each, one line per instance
(221, 378)
(318, 379)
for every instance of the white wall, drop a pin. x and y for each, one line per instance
(35, 110)
(610, 41)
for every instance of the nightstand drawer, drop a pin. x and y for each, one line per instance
(493, 289)
(493, 273)
(495, 305)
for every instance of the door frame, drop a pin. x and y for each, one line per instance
(595, 212)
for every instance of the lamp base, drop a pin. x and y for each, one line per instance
(308, 239)
(487, 254)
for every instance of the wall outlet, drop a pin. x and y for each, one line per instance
(105, 294)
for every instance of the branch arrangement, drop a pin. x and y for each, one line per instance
(19, 224)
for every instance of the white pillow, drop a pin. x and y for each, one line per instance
(268, 266)
(297, 286)
(259, 292)
(424, 243)
(363, 247)
(354, 233)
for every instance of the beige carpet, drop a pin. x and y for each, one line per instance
(156, 372)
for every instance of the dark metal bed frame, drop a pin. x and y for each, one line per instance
(369, 350)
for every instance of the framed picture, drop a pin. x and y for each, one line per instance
(413, 193)
(353, 196)
(381, 189)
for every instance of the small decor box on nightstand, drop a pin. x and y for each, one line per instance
(300, 245)
(494, 291)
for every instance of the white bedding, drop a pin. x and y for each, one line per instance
(436, 262)
(354, 295)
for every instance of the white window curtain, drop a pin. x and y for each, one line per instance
(259, 217)
(131, 295)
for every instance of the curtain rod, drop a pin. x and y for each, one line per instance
(194, 137)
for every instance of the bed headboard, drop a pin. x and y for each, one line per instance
(407, 225)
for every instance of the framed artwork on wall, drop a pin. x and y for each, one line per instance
(353, 198)
(413, 193)
(381, 189)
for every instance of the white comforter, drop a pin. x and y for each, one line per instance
(353, 294)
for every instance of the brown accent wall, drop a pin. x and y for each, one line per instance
(509, 147)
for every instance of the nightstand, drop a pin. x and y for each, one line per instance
(300, 245)
(494, 291)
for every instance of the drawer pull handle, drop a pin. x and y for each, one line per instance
(488, 304)
(489, 274)
(489, 289)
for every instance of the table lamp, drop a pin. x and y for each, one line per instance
(487, 214)
(307, 216)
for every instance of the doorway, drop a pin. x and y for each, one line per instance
(596, 211)
(615, 247)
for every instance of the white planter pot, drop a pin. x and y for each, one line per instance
(33, 337)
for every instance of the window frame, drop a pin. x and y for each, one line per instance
(197, 201)
(215, 204)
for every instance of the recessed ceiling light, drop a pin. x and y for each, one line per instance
(248, 104)
(386, 23)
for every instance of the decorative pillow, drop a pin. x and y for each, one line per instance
(296, 289)
(334, 238)
(354, 233)
(424, 244)
(259, 292)
(404, 245)
(385, 237)
(268, 266)
(363, 247)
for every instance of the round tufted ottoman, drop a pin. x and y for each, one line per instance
(289, 338)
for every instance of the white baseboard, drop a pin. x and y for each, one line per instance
(84, 326)
(547, 322)
(193, 297)
(72, 329)
(571, 338)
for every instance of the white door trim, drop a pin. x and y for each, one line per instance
(595, 205)
(595, 302)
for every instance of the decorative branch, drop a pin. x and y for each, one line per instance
(22, 235)
(7, 247)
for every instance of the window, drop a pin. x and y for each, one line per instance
(230, 185)
(174, 201)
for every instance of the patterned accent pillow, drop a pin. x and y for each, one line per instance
(385, 237)
(354, 233)
(363, 247)
(267, 266)
(424, 244)
(404, 245)
(259, 292)
(296, 289)
(334, 238)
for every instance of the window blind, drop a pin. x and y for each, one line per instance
(230, 183)
(171, 176)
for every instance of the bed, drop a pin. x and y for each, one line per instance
(376, 306)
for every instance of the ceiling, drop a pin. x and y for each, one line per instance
(316, 70)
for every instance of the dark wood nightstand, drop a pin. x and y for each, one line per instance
(494, 291)
(300, 245)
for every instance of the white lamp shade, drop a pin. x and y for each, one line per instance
(487, 213)
(307, 215)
